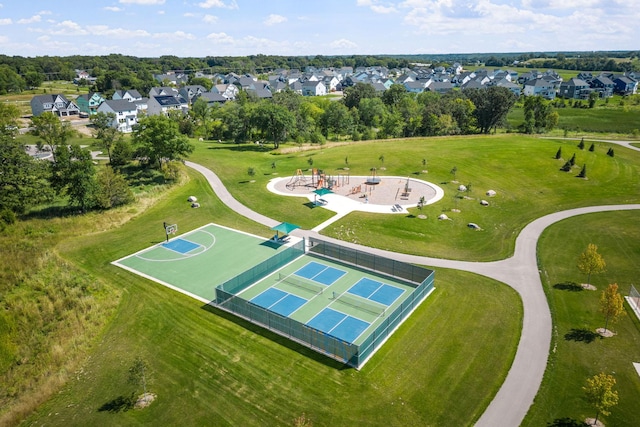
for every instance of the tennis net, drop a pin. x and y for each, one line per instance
(360, 303)
(300, 283)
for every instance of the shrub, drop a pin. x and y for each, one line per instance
(583, 172)
(592, 147)
(610, 152)
(559, 153)
(316, 137)
(581, 145)
(7, 216)
(566, 167)
(572, 160)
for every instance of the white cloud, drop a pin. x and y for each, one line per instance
(188, 15)
(176, 35)
(45, 12)
(378, 6)
(208, 4)
(143, 2)
(113, 9)
(161, 12)
(221, 38)
(210, 19)
(105, 31)
(275, 19)
(32, 20)
(69, 28)
(343, 44)
(6, 21)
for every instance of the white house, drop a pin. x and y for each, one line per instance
(165, 103)
(313, 88)
(126, 113)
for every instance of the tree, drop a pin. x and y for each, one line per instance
(274, 121)
(592, 147)
(583, 172)
(593, 97)
(159, 140)
(112, 189)
(336, 119)
(611, 304)
(610, 153)
(104, 130)
(392, 96)
(581, 144)
(559, 153)
(138, 374)
(24, 181)
(453, 172)
(539, 114)
(591, 262)
(572, 160)
(600, 394)
(33, 79)
(73, 174)
(491, 106)
(355, 94)
(121, 153)
(51, 131)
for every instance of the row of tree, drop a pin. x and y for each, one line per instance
(361, 114)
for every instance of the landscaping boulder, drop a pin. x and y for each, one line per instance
(473, 225)
(443, 216)
(195, 205)
(484, 203)
(491, 193)
(192, 199)
(462, 188)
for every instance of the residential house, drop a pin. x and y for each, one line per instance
(260, 93)
(505, 82)
(415, 87)
(625, 85)
(172, 78)
(89, 103)
(313, 88)
(163, 91)
(211, 98)
(83, 76)
(440, 87)
(163, 104)
(604, 86)
(540, 87)
(575, 88)
(191, 91)
(126, 113)
(130, 95)
(229, 91)
(57, 104)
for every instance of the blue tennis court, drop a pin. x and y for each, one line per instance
(339, 325)
(180, 245)
(376, 291)
(320, 273)
(279, 301)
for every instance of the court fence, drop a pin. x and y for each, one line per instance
(634, 299)
(419, 278)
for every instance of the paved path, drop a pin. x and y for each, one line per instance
(511, 403)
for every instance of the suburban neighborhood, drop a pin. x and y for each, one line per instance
(175, 94)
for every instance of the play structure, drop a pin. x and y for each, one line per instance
(317, 179)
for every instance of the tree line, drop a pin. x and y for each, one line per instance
(361, 114)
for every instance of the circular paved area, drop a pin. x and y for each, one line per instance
(353, 193)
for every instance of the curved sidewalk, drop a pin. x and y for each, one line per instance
(516, 395)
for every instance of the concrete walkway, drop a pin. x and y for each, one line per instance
(511, 403)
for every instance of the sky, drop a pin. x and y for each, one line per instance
(199, 28)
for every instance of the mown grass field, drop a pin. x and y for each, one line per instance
(442, 367)
(522, 170)
(578, 353)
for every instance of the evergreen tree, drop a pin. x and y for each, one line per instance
(583, 172)
(592, 147)
(581, 144)
(559, 153)
(572, 160)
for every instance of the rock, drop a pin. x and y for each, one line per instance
(462, 188)
(443, 216)
(473, 225)
(491, 193)
(195, 205)
(192, 199)
(484, 203)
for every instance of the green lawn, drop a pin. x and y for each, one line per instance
(594, 120)
(521, 169)
(579, 353)
(442, 367)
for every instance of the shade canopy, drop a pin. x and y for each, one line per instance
(285, 227)
(322, 191)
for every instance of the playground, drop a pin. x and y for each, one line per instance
(343, 192)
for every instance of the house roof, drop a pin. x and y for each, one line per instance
(212, 97)
(167, 100)
(121, 105)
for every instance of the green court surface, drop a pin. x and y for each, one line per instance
(196, 262)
